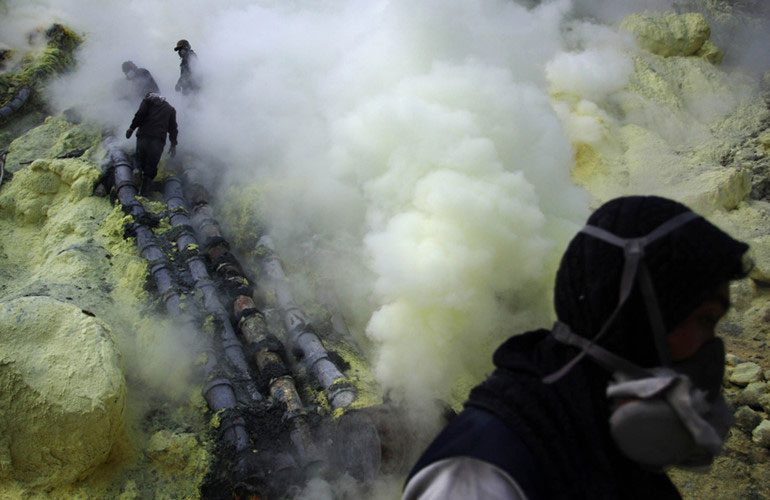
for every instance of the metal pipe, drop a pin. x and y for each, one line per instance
(187, 245)
(268, 350)
(145, 239)
(16, 102)
(315, 357)
(268, 357)
(302, 336)
(219, 393)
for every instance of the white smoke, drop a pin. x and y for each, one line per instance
(420, 135)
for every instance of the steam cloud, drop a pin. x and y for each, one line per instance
(419, 136)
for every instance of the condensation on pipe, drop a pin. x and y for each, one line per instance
(302, 336)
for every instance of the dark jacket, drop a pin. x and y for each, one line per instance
(144, 83)
(155, 118)
(187, 82)
(564, 425)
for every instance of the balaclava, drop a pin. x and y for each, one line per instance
(686, 266)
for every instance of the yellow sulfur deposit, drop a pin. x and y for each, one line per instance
(670, 34)
(175, 453)
(55, 137)
(62, 391)
(676, 119)
(66, 413)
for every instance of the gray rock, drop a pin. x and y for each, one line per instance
(751, 393)
(745, 373)
(761, 434)
(732, 360)
(764, 402)
(747, 419)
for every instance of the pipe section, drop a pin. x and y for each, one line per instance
(187, 245)
(145, 239)
(16, 102)
(268, 357)
(219, 393)
(268, 351)
(303, 338)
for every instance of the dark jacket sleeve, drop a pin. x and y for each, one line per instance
(140, 114)
(172, 127)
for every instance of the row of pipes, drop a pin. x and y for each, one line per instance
(219, 390)
(16, 102)
(230, 388)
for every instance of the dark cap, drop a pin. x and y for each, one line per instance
(182, 44)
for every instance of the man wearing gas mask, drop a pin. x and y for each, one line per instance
(626, 383)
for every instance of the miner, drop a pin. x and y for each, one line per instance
(187, 82)
(141, 80)
(155, 118)
(627, 382)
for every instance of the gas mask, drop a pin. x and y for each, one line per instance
(130, 74)
(673, 414)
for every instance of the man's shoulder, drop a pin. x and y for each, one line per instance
(481, 435)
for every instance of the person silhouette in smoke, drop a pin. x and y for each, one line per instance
(628, 381)
(141, 80)
(155, 118)
(187, 82)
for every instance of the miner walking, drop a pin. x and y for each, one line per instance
(141, 80)
(154, 119)
(187, 82)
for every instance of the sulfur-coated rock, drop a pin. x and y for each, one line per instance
(56, 137)
(745, 373)
(62, 392)
(670, 34)
(761, 434)
(747, 419)
(710, 52)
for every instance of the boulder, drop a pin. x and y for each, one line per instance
(62, 392)
(751, 393)
(764, 402)
(760, 255)
(761, 434)
(732, 359)
(747, 419)
(745, 373)
(671, 34)
(55, 138)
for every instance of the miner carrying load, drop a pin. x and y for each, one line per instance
(187, 82)
(626, 383)
(154, 119)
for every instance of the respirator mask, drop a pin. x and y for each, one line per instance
(672, 414)
(130, 74)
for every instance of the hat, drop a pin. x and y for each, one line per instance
(182, 44)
